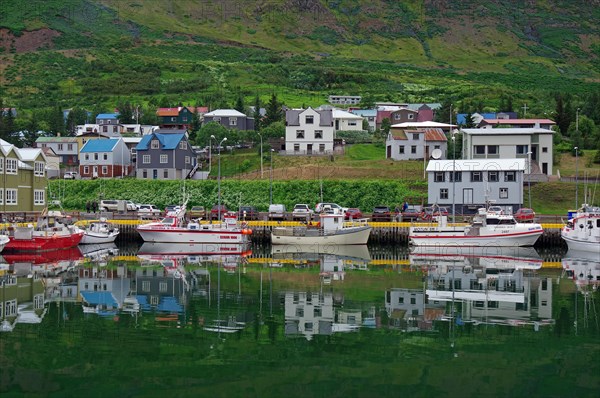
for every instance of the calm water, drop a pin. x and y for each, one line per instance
(169, 320)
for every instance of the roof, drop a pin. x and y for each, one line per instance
(435, 134)
(477, 165)
(340, 114)
(365, 112)
(107, 116)
(422, 125)
(101, 145)
(399, 135)
(518, 121)
(292, 116)
(99, 298)
(225, 113)
(56, 139)
(167, 140)
(508, 131)
(31, 154)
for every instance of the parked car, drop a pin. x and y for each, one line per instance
(495, 210)
(216, 210)
(70, 175)
(412, 213)
(248, 213)
(197, 212)
(302, 211)
(146, 209)
(524, 215)
(354, 213)
(428, 212)
(329, 208)
(109, 205)
(276, 212)
(381, 213)
(131, 206)
(172, 208)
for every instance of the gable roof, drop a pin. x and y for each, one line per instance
(225, 113)
(107, 116)
(102, 145)
(340, 114)
(56, 139)
(31, 154)
(435, 134)
(173, 111)
(167, 140)
(508, 131)
(422, 125)
(292, 116)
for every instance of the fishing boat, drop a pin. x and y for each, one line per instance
(486, 229)
(191, 249)
(49, 233)
(175, 229)
(582, 231)
(3, 241)
(330, 230)
(97, 232)
(583, 267)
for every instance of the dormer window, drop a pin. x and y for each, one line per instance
(154, 144)
(309, 119)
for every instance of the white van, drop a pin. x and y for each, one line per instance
(276, 212)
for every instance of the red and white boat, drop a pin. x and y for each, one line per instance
(3, 241)
(175, 229)
(49, 233)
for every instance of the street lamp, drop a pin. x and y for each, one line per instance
(261, 156)
(577, 121)
(219, 178)
(576, 178)
(212, 137)
(271, 179)
(529, 176)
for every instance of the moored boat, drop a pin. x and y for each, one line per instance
(486, 229)
(3, 241)
(582, 231)
(49, 233)
(330, 230)
(97, 232)
(175, 229)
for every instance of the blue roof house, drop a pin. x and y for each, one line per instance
(165, 156)
(105, 158)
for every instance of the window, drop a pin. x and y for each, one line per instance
(11, 196)
(87, 156)
(299, 134)
(444, 193)
(416, 137)
(105, 156)
(401, 300)
(154, 144)
(439, 176)
(39, 169)
(492, 149)
(95, 156)
(183, 145)
(479, 149)
(154, 300)
(185, 119)
(104, 170)
(522, 149)
(299, 312)
(436, 147)
(492, 176)
(11, 166)
(145, 173)
(104, 129)
(411, 116)
(413, 149)
(401, 149)
(413, 300)
(146, 159)
(38, 197)
(217, 119)
(456, 176)
(510, 176)
(162, 287)
(60, 147)
(1, 165)
(145, 286)
(309, 119)
(397, 116)
(10, 308)
(187, 160)
(503, 193)
(321, 147)
(233, 121)
(296, 147)
(545, 149)
(318, 134)
(476, 176)
(351, 123)
(317, 312)
(173, 119)
(1, 196)
(86, 169)
(164, 158)
(166, 173)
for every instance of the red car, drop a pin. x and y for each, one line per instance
(524, 215)
(353, 213)
(215, 211)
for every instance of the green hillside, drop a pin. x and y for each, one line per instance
(78, 52)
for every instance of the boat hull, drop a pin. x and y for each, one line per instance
(183, 235)
(449, 237)
(358, 237)
(3, 241)
(580, 245)
(90, 238)
(44, 243)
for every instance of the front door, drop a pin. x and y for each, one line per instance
(309, 149)
(155, 174)
(95, 172)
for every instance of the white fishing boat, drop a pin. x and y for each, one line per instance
(3, 241)
(100, 231)
(583, 267)
(175, 229)
(486, 229)
(330, 230)
(582, 231)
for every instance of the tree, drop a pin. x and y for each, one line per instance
(125, 112)
(385, 128)
(30, 131)
(195, 125)
(239, 104)
(76, 116)
(455, 146)
(442, 115)
(469, 123)
(274, 112)
(211, 128)
(367, 101)
(563, 112)
(274, 130)
(56, 121)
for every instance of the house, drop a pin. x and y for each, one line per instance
(105, 158)
(346, 121)
(66, 148)
(411, 144)
(535, 144)
(403, 115)
(470, 183)
(518, 123)
(344, 99)
(23, 176)
(424, 125)
(369, 115)
(426, 112)
(165, 156)
(52, 163)
(175, 118)
(21, 300)
(230, 118)
(309, 131)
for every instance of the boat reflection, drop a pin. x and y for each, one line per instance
(583, 267)
(45, 263)
(99, 252)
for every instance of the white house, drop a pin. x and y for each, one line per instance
(475, 182)
(309, 131)
(415, 144)
(370, 115)
(345, 121)
(532, 144)
(104, 158)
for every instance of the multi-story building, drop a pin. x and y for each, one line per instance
(309, 131)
